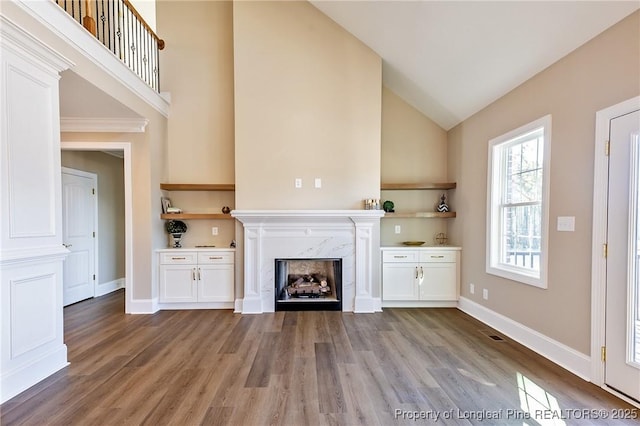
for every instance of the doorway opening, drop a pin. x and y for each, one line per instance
(122, 149)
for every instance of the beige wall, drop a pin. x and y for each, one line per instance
(307, 105)
(414, 149)
(599, 74)
(110, 172)
(197, 71)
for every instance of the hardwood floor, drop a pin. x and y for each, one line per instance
(299, 368)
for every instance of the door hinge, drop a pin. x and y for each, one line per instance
(605, 250)
(93, 191)
(94, 234)
(607, 148)
(94, 277)
(603, 353)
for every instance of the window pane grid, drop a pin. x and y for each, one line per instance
(519, 206)
(521, 236)
(523, 170)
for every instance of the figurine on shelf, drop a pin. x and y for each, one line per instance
(441, 238)
(443, 207)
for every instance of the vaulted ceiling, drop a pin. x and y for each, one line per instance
(450, 59)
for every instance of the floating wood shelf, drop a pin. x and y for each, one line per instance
(442, 185)
(428, 215)
(169, 216)
(198, 186)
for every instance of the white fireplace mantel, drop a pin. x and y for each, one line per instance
(352, 235)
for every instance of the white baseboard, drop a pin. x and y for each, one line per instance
(419, 304)
(238, 307)
(109, 287)
(16, 381)
(377, 304)
(559, 353)
(195, 305)
(142, 306)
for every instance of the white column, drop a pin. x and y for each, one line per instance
(32, 254)
(364, 301)
(252, 301)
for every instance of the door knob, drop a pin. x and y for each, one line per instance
(67, 245)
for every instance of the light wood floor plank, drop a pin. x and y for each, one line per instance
(214, 367)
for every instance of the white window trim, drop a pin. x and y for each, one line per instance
(493, 197)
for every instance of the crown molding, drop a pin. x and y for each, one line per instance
(21, 42)
(103, 125)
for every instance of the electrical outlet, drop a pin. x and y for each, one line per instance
(318, 183)
(214, 230)
(398, 229)
(472, 288)
(298, 183)
(485, 294)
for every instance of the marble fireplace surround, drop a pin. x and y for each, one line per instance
(352, 235)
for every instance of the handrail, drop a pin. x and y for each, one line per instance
(121, 28)
(144, 23)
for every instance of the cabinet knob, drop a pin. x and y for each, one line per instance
(215, 257)
(399, 257)
(178, 258)
(437, 257)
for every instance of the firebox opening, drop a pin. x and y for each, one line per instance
(308, 284)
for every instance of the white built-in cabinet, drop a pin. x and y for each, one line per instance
(420, 276)
(196, 278)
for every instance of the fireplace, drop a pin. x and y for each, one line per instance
(308, 284)
(350, 235)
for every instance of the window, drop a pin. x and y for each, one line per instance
(518, 207)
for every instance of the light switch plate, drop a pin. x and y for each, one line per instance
(318, 183)
(298, 183)
(566, 223)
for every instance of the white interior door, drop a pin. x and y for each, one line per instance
(79, 194)
(622, 368)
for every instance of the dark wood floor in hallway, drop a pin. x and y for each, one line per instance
(300, 368)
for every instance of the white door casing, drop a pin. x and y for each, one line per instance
(599, 237)
(79, 227)
(622, 259)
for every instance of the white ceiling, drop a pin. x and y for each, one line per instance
(450, 59)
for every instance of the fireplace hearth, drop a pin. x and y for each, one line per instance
(308, 284)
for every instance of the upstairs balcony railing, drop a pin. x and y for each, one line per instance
(119, 26)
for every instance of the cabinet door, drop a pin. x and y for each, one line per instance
(177, 283)
(399, 281)
(438, 281)
(215, 283)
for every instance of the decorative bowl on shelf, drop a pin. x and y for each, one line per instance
(413, 243)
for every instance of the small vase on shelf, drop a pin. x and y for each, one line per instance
(442, 207)
(177, 237)
(176, 228)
